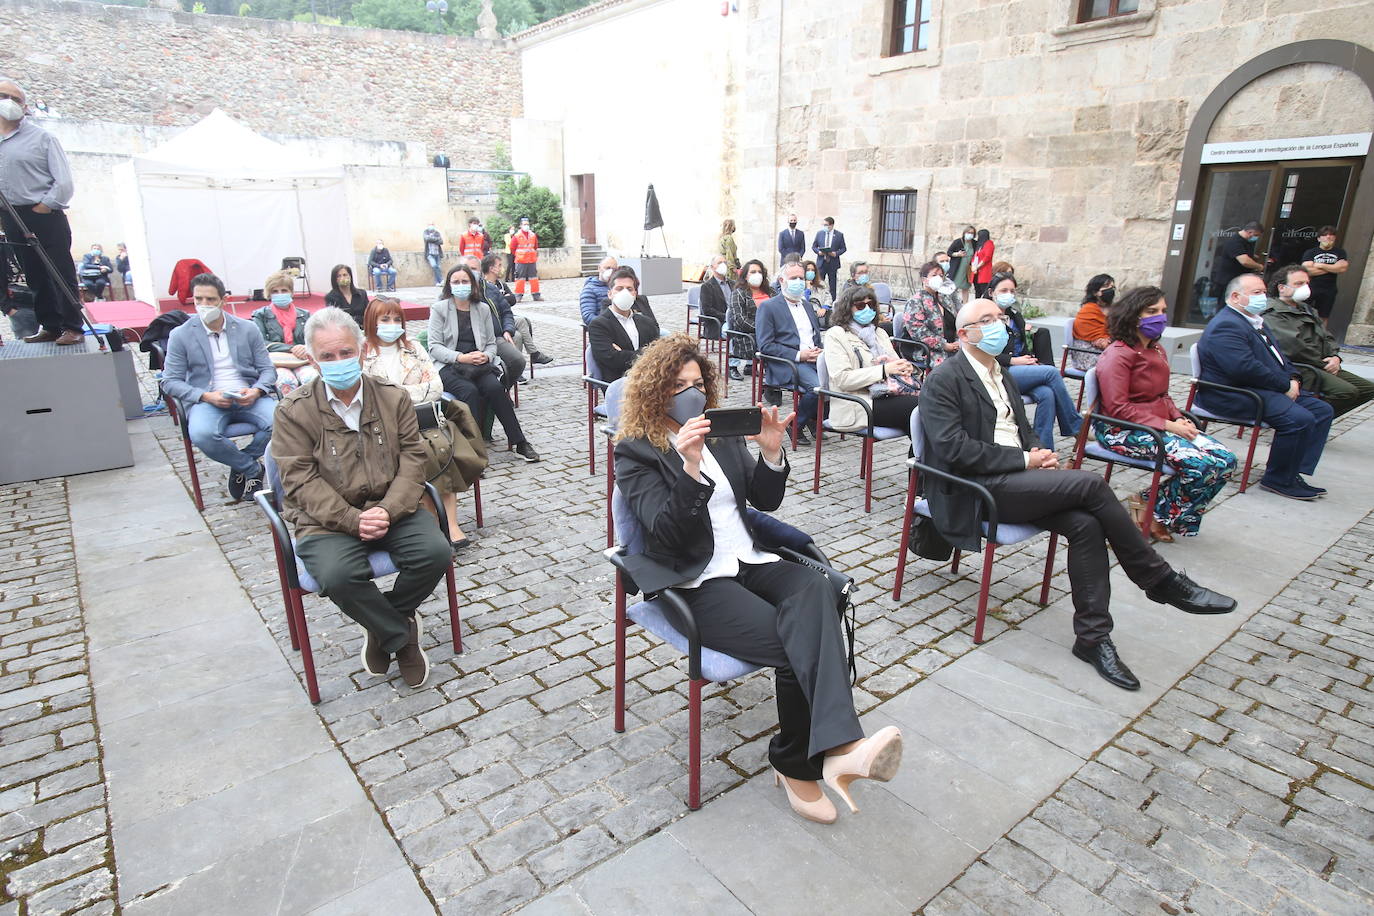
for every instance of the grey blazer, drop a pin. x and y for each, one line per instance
(190, 367)
(443, 332)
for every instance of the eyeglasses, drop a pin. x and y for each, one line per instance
(985, 322)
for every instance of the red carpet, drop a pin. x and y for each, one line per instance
(137, 315)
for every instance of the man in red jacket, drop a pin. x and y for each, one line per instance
(525, 246)
(475, 241)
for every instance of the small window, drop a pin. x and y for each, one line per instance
(1089, 10)
(896, 227)
(910, 26)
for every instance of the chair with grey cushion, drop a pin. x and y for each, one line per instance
(1254, 423)
(867, 434)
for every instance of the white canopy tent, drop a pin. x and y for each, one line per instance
(235, 200)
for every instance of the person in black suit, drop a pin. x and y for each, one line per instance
(787, 327)
(688, 492)
(1237, 349)
(716, 289)
(975, 427)
(619, 334)
(828, 246)
(791, 240)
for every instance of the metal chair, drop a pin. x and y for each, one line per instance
(178, 416)
(868, 434)
(296, 581)
(1089, 447)
(694, 308)
(761, 361)
(994, 534)
(298, 265)
(614, 394)
(756, 370)
(1254, 423)
(1072, 372)
(595, 386)
(883, 293)
(712, 335)
(668, 617)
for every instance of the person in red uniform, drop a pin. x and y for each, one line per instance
(525, 246)
(475, 241)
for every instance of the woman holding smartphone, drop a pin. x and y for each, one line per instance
(688, 492)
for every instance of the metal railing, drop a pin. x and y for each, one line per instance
(476, 185)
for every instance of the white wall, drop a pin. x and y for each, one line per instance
(641, 97)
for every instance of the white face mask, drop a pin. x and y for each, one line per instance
(380, 246)
(756, 279)
(606, 275)
(1301, 294)
(209, 314)
(623, 301)
(11, 110)
(722, 269)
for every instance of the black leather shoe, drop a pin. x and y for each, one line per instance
(541, 359)
(526, 451)
(1103, 657)
(1186, 595)
(802, 437)
(1304, 485)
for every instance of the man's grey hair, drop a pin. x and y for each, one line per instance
(788, 265)
(791, 258)
(854, 268)
(1238, 279)
(330, 317)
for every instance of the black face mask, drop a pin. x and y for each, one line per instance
(792, 225)
(1107, 295)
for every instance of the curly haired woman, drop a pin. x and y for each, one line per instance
(687, 491)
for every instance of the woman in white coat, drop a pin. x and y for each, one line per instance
(860, 360)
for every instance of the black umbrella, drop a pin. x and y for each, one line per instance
(653, 217)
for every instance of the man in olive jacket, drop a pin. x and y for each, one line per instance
(1302, 336)
(351, 460)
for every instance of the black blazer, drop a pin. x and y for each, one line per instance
(957, 419)
(605, 331)
(671, 507)
(713, 301)
(791, 241)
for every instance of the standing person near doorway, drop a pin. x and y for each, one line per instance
(525, 245)
(980, 264)
(1323, 265)
(1235, 256)
(829, 246)
(434, 252)
(36, 179)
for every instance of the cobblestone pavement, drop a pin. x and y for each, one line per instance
(54, 839)
(502, 778)
(1248, 788)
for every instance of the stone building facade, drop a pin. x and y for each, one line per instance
(1067, 140)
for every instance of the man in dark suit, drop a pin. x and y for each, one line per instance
(791, 240)
(219, 372)
(1238, 350)
(619, 334)
(828, 246)
(975, 427)
(787, 327)
(716, 289)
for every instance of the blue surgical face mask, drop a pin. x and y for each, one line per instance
(865, 315)
(281, 300)
(462, 293)
(1257, 303)
(810, 275)
(1006, 300)
(341, 374)
(994, 339)
(795, 287)
(862, 279)
(687, 403)
(390, 332)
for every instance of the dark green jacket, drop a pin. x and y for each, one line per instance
(266, 321)
(1302, 337)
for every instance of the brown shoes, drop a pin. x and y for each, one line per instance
(43, 336)
(376, 660)
(65, 339)
(69, 338)
(411, 658)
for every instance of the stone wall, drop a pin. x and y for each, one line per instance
(1063, 140)
(155, 67)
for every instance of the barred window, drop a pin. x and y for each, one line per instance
(896, 226)
(1089, 10)
(910, 26)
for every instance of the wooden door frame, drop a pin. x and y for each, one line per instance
(1360, 231)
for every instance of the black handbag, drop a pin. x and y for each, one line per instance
(926, 540)
(430, 414)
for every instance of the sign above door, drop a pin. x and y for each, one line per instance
(1327, 147)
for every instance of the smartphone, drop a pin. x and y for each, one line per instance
(232, 395)
(735, 421)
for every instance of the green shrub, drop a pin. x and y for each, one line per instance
(519, 198)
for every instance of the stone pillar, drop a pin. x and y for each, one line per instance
(486, 22)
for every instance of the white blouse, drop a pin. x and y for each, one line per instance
(733, 545)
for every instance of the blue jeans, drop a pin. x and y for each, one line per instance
(807, 380)
(207, 423)
(433, 260)
(388, 272)
(1045, 385)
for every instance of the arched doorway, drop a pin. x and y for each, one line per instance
(1292, 187)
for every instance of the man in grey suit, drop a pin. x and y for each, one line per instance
(219, 372)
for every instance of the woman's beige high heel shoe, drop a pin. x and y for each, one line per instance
(876, 757)
(822, 810)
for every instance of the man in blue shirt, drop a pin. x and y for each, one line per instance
(36, 179)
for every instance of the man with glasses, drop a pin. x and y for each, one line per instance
(36, 179)
(975, 427)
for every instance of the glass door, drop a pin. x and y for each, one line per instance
(1293, 200)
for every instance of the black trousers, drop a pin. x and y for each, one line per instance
(483, 393)
(895, 410)
(339, 564)
(56, 312)
(830, 273)
(1081, 506)
(783, 615)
